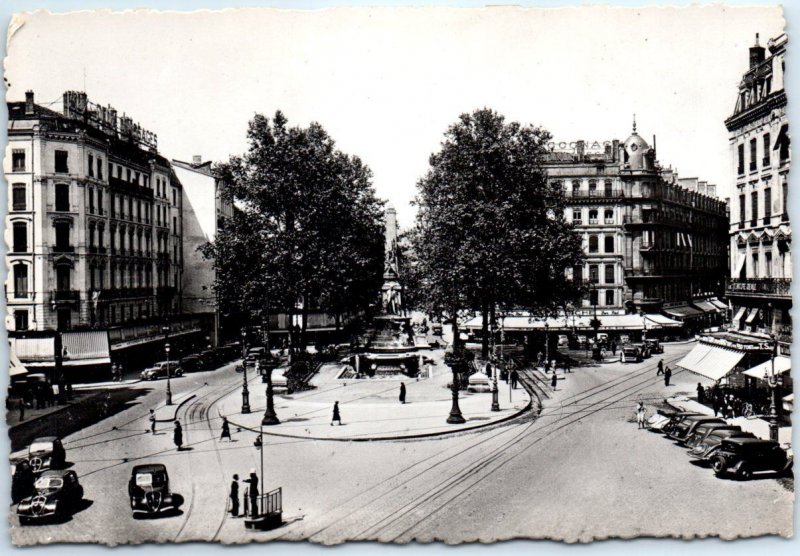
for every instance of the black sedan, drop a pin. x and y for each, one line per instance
(46, 452)
(57, 494)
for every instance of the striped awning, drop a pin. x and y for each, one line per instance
(718, 304)
(655, 321)
(682, 311)
(85, 348)
(705, 306)
(711, 361)
(33, 350)
(782, 365)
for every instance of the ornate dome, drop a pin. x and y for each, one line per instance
(635, 149)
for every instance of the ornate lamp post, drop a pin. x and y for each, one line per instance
(493, 366)
(245, 391)
(455, 417)
(772, 382)
(546, 343)
(169, 371)
(270, 418)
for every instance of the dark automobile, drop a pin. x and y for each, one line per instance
(677, 418)
(191, 363)
(681, 431)
(210, 359)
(22, 478)
(162, 369)
(57, 493)
(46, 452)
(702, 431)
(148, 489)
(706, 449)
(741, 457)
(654, 346)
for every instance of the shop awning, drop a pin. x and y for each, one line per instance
(15, 367)
(683, 312)
(752, 316)
(31, 351)
(711, 361)
(85, 348)
(522, 323)
(655, 321)
(782, 365)
(740, 265)
(718, 304)
(705, 306)
(739, 315)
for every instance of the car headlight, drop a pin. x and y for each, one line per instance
(51, 506)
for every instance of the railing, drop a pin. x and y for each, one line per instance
(595, 194)
(65, 295)
(761, 286)
(271, 502)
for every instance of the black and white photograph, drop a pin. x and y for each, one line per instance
(398, 274)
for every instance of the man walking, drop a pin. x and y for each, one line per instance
(177, 435)
(667, 375)
(660, 370)
(337, 418)
(226, 429)
(514, 379)
(235, 496)
(152, 422)
(554, 380)
(402, 392)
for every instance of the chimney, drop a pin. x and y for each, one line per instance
(608, 152)
(197, 160)
(28, 103)
(615, 147)
(580, 148)
(756, 53)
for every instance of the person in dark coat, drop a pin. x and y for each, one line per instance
(21, 409)
(226, 429)
(177, 435)
(402, 392)
(701, 394)
(514, 379)
(252, 492)
(554, 380)
(337, 418)
(660, 370)
(613, 348)
(667, 375)
(717, 404)
(235, 496)
(152, 422)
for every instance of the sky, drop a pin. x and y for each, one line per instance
(386, 83)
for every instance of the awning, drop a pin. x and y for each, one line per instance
(752, 316)
(705, 306)
(740, 264)
(739, 315)
(33, 350)
(683, 312)
(718, 304)
(783, 135)
(660, 321)
(85, 348)
(782, 365)
(520, 323)
(711, 361)
(15, 367)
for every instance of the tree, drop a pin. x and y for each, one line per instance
(308, 232)
(490, 231)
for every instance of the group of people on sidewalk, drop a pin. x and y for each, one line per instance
(250, 497)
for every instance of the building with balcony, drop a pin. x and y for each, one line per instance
(653, 242)
(94, 224)
(760, 232)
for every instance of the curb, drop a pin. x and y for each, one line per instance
(177, 408)
(400, 437)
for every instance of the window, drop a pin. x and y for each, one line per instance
(785, 193)
(753, 149)
(609, 297)
(91, 200)
(753, 207)
(609, 271)
(608, 215)
(609, 244)
(18, 160)
(741, 160)
(100, 233)
(576, 185)
(742, 216)
(594, 273)
(91, 234)
(99, 201)
(577, 273)
(592, 217)
(139, 210)
(62, 197)
(21, 319)
(20, 280)
(130, 208)
(62, 236)
(62, 166)
(577, 216)
(593, 244)
(765, 161)
(91, 166)
(767, 202)
(130, 175)
(20, 237)
(593, 297)
(174, 224)
(19, 194)
(768, 264)
(175, 197)
(592, 186)
(99, 168)
(609, 189)
(110, 170)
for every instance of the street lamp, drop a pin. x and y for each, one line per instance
(492, 365)
(455, 417)
(270, 418)
(245, 391)
(165, 330)
(546, 343)
(772, 382)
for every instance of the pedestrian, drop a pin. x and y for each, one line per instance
(337, 418)
(514, 379)
(613, 348)
(554, 380)
(39, 398)
(547, 366)
(667, 375)
(49, 396)
(539, 359)
(402, 392)
(177, 435)
(717, 404)
(235, 496)
(640, 414)
(226, 429)
(120, 372)
(701, 394)
(152, 421)
(660, 370)
(21, 409)
(252, 492)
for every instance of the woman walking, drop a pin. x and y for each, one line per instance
(226, 429)
(337, 418)
(402, 392)
(554, 380)
(177, 435)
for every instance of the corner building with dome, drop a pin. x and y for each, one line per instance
(654, 242)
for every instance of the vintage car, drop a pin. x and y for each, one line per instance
(56, 494)
(654, 346)
(681, 431)
(148, 489)
(22, 478)
(703, 430)
(46, 452)
(741, 457)
(161, 370)
(631, 354)
(706, 449)
(191, 363)
(678, 417)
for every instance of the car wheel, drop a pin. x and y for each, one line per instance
(719, 465)
(745, 473)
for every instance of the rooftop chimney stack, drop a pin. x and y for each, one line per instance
(757, 53)
(28, 103)
(197, 160)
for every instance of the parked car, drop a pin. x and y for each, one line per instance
(46, 452)
(191, 363)
(631, 354)
(707, 449)
(148, 489)
(57, 493)
(741, 457)
(563, 340)
(654, 346)
(162, 369)
(209, 359)
(676, 418)
(703, 430)
(681, 431)
(22, 479)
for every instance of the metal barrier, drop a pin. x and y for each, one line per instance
(271, 502)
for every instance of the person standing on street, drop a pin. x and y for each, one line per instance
(235, 496)
(252, 491)
(554, 380)
(660, 370)
(701, 394)
(514, 379)
(613, 347)
(226, 429)
(337, 418)
(667, 375)
(402, 392)
(152, 422)
(177, 436)
(641, 412)
(21, 409)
